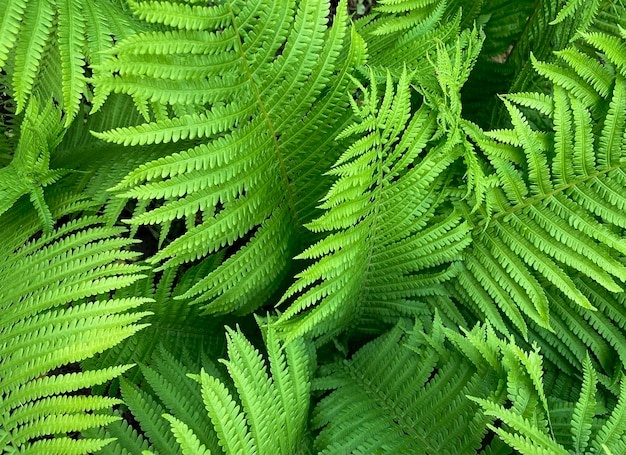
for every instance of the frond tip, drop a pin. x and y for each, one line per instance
(254, 408)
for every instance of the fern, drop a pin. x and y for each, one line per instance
(80, 31)
(29, 171)
(373, 185)
(588, 435)
(377, 243)
(55, 313)
(402, 393)
(260, 107)
(246, 410)
(554, 213)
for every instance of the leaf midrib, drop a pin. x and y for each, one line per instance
(266, 116)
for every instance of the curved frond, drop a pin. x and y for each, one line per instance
(385, 240)
(559, 214)
(262, 111)
(55, 311)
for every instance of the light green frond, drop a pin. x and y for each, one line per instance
(613, 47)
(272, 86)
(573, 424)
(549, 217)
(71, 33)
(189, 443)
(524, 437)
(29, 172)
(49, 321)
(272, 414)
(590, 9)
(228, 420)
(180, 15)
(71, 46)
(611, 435)
(378, 241)
(585, 409)
(30, 46)
(13, 11)
(245, 407)
(410, 14)
(65, 445)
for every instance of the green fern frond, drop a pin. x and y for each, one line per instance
(175, 326)
(180, 15)
(29, 170)
(610, 437)
(49, 320)
(79, 31)
(525, 435)
(382, 239)
(559, 213)
(255, 410)
(403, 33)
(585, 409)
(189, 443)
(256, 133)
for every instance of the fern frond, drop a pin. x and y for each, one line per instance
(10, 26)
(528, 437)
(29, 171)
(585, 409)
(611, 436)
(612, 47)
(248, 410)
(559, 212)
(273, 83)
(29, 49)
(378, 219)
(34, 30)
(180, 15)
(49, 321)
(400, 392)
(189, 443)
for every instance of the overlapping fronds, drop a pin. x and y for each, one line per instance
(162, 387)
(260, 86)
(402, 33)
(562, 428)
(29, 170)
(55, 311)
(385, 242)
(373, 188)
(404, 392)
(78, 30)
(173, 323)
(246, 408)
(550, 27)
(558, 214)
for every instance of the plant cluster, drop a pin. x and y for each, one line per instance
(297, 227)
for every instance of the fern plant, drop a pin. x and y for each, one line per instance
(387, 241)
(557, 215)
(260, 93)
(56, 311)
(43, 33)
(401, 222)
(545, 430)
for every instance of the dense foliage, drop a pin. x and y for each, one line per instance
(297, 227)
